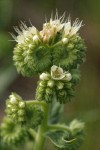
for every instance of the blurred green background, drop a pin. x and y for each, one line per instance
(86, 104)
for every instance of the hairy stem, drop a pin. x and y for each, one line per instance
(58, 127)
(40, 138)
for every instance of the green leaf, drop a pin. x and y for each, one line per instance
(70, 139)
(59, 139)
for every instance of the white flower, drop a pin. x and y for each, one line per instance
(24, 33)
(70, 30)
(44, 76)
(57, 73)
(51, 28)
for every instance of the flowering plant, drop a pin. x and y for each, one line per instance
(55, 54)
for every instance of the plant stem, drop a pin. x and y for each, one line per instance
(58, 127)
(40, 138)
(32, 132)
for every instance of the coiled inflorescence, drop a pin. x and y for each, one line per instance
(19, 112)
(57, 85)
(12, 133)
(57, 43)
(15, 108)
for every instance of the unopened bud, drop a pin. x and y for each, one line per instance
(60, 85)
(35, 38)
(13, 99)
(65, 40)
(44, 76)
(21, 112)
(50, 83)
(21, 104)
(69, 76)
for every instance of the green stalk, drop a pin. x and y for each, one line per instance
(40, 138)
(58, 127)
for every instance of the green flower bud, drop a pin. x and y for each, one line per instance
(44, 76)
(50, 83)
(21, 104)
(60, 85)
(70, 46)
(65, 40)
(49, 91)
(21, 119)
(21, 112)
(13, 110)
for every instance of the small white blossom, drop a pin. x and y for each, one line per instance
(68, 76)
(57, 73)
(51, 28)
(44, 76)
(70, 30)
(24, 33)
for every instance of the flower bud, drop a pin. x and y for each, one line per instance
(42, 84)
(35, 38)
(21, 119)
(50, 83)
(44, 76)
(65, 40)
(13, 99)
(21, 112)
(21, 104)
(60, 85)
(13, 109)
(70, 46)
(49, 91)
(68, 76)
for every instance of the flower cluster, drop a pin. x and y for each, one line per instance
(57, 43)
(57, 84)
(18, 111)
(15, 108)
